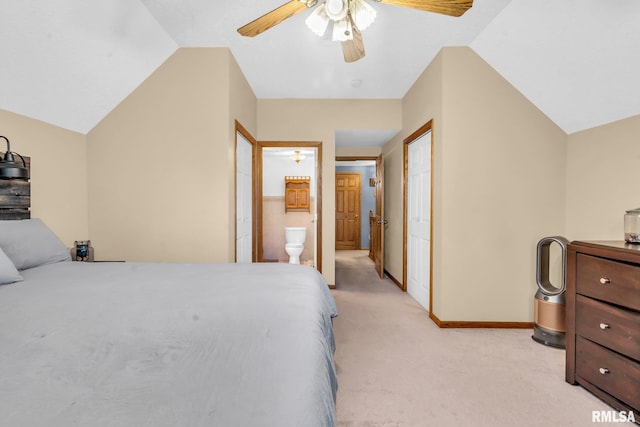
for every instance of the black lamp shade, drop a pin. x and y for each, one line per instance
(9, 168)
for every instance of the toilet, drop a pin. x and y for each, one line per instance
(294, 242)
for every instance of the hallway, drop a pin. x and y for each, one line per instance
(397, 368)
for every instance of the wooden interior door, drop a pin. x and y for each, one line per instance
(348, 210)
(379, 220)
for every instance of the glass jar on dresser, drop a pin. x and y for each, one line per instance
(603, 321)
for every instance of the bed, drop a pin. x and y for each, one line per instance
(159, 344)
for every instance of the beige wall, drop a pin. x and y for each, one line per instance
(317, 120)
(423, 102)
(498, 188)
(58, 173)
(602, 180)
(243, 108)
(161, 163)
(154, 180)
(502, 190)
(358, 151)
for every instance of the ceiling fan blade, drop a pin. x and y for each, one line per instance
(273, 18)
(353, 49)
(445, 7)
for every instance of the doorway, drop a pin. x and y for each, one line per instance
(276, 161)
(418, 179)
(371, 216)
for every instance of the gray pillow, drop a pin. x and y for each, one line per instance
(8, 272)
(30, 243)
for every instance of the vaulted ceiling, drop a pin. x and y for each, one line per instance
(70, 62)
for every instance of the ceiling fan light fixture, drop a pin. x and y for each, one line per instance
(318, 21)
(337, 12)
(363, 14)
(342, 31)
(337, 9)
(349, 18)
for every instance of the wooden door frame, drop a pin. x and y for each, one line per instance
(245, 133)
(359, 217)
(408, 140)
(318, 201)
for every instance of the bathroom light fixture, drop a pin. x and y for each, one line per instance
(297, 156)
(9, 169)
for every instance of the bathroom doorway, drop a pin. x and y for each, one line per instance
(278, 162)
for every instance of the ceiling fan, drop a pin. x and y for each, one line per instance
(349, 18)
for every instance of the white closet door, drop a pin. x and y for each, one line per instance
(244, 210)
(418, 214)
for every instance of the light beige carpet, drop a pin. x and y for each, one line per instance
(397, 368)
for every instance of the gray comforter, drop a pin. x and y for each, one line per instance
(137, 344)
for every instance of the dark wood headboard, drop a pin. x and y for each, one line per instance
(15, 196)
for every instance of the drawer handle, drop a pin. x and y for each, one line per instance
(603, 371)
(605, 280)
(604, 326)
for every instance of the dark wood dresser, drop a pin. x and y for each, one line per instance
(603, 321)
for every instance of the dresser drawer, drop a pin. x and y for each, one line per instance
(610, 326)
(609, 371)
(607, 280)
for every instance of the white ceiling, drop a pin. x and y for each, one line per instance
(577, 60)
(70, 62)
